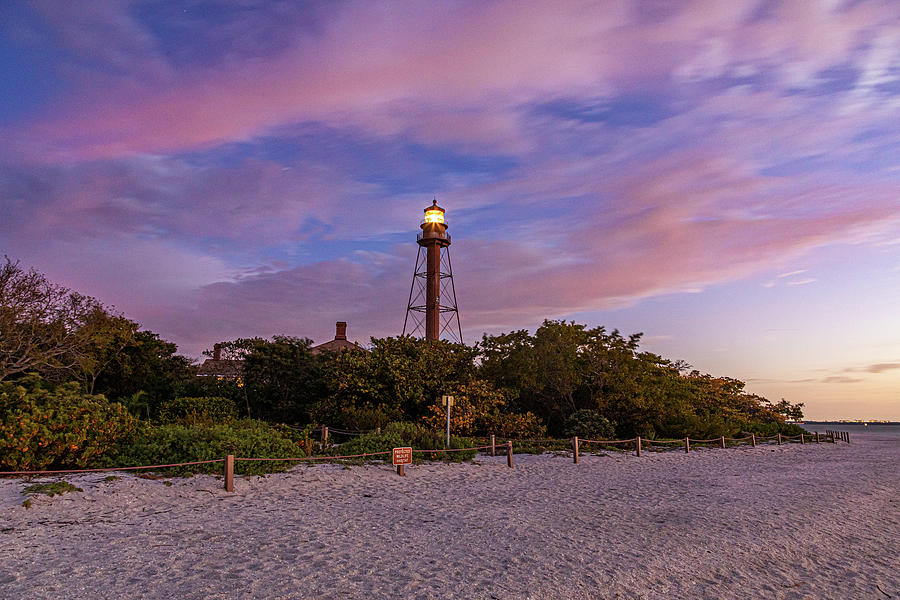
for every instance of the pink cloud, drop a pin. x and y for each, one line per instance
(450, 61)
(652, 245)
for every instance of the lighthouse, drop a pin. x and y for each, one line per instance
(433, 293)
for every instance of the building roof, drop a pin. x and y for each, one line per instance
(340, 341)
(228, 369)
(335, 346)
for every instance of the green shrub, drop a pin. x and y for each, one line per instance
(405, 434)
(539, 446)
(455, 443)
(43, 429)
(364, 418)
(417, 436)
(57, 488)
(204, 409)
(590, 424)
(178, 443)
(765, 429)
(369, 443)
(527, 425)
(305, 437)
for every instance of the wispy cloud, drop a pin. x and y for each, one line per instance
(452, 62)
(841, 379)
(874, 368)
(791, 273)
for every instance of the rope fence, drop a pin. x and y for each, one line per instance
(196, 462)
(829, 436)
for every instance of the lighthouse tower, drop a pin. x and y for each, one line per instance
(432, 294)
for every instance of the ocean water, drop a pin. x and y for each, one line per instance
(881, 432)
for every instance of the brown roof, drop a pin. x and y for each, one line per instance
(339, 342)
(334, 346)
(229, 369)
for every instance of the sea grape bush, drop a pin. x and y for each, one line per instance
(480, 408)
(44, 427)
(405, 434)
(587, 423)
(180, 443)
(370, 443)
(521, 425)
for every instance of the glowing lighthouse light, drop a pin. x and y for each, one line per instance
(435, 214)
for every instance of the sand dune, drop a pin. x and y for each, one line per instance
(817, 521)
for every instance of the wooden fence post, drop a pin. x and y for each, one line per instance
(575, 449)
(802, 439)
(637, 445)
(493, 447)
(753, 439)
(324, 435)
(817, 437)
(509, 454)
(687, 445)
(229, 473)
(848, 436)
(723, 442)
(779, 439)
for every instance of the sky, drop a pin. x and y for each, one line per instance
(721, 176)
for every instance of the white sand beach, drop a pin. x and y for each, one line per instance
(813, 521)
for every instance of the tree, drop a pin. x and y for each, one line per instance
(104, 336)
(788, 410)
(147, 372)
(545, 373)
(40, 324)
(565, 368)
(282, 378)
(400, 377)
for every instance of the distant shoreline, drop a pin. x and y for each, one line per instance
(851, 422)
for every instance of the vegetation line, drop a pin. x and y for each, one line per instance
(84, 387)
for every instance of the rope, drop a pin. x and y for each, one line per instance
(458, 449)
(608, 442)
(330, 429)
(196, 462)
(363, 455)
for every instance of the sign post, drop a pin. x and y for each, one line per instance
(448, 402)
(401, 458)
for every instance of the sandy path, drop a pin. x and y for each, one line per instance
(772, 522)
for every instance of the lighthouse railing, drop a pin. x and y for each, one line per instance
(432, 235)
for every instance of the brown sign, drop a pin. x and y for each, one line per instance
(402, 456)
